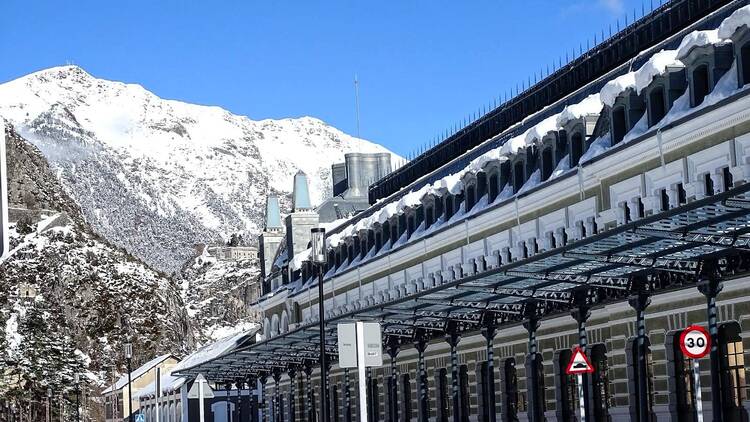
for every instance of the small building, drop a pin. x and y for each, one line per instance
(116, 405)
(233, 253)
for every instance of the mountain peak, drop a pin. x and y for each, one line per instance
(157, 176)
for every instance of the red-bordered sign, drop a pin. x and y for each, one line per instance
(579, 363)
(695, 342)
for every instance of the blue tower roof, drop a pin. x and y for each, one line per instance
(273, 213)
(301, 199)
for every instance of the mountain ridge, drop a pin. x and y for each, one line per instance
(158, 176)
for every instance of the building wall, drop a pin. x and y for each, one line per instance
(611, 326)
(139, 383)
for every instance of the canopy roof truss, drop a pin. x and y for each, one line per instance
(667, 250)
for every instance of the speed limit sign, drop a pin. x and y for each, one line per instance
(695, 342)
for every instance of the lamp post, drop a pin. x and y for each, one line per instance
(49, 401)
(318, 258)
(129, 357)
(77, 381)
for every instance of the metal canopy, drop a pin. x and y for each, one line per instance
(667, 249)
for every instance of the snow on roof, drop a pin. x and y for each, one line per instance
(590, 105)
(123, 380)
(169, 383)
(299, 258)
(537, 132)
(514, 144)
(214, 350)
(736, 20)
(655, 66)
(697, 39)
(612, 89)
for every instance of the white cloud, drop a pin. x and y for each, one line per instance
(616, 7)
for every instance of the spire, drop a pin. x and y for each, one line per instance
(301, 198)
(273, 214)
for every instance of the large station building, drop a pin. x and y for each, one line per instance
(605, 207)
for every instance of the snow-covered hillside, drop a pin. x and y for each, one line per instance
(157, 176)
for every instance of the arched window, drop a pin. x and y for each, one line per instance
(429, 216)
(518, 178)
(600, 382)
(439, 207)
(410, 224)
(441, 385)
(701, 86)
(681, 384)
(405, 401)
(732, 369)
(632, 361)
(448, 206)
(566, 390)
(576, 148)
(619, 124)
(656, 105)
(547, 163)
(745, 58)
(394, 232)
(505, 175)
(509, 384)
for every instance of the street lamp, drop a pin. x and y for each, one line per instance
(129, 357)
(318, 258)
(77, 381)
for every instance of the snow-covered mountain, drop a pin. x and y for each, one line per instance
(158, 176)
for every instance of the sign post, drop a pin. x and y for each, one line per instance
(579, 365)
(360, 345)
(695, 344)
(200, 390)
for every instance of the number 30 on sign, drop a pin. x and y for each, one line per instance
(695, 342)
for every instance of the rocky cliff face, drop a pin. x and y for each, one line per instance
(68, 298)
(158, 176)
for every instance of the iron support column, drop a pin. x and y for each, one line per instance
(639, 300)
(581, 314)
(292, 372)
(452, 337)
(229, 403)
(347, 397)
(238, 405)
(420, 343)
(710, 286)
(277, 395)
(252, 385)
(531, 323)
(262, 405)
(393, 349)
(488, 331)
(308, 382)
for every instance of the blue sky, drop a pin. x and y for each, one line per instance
(422, 65)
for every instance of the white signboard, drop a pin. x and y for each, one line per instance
(347, 339)
(373, 344)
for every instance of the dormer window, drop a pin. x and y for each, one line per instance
(481, 184)
(547, 163)
(494, 186)
(448, 207)
(576, 148)
(709, 184)
(745, 60)
(700, 85)
(471, 196)
(619, 124)
(518, 176)
(728, 179)
(429, 216)
(505, 175)
(657, 107)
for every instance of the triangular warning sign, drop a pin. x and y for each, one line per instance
(579, 363)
